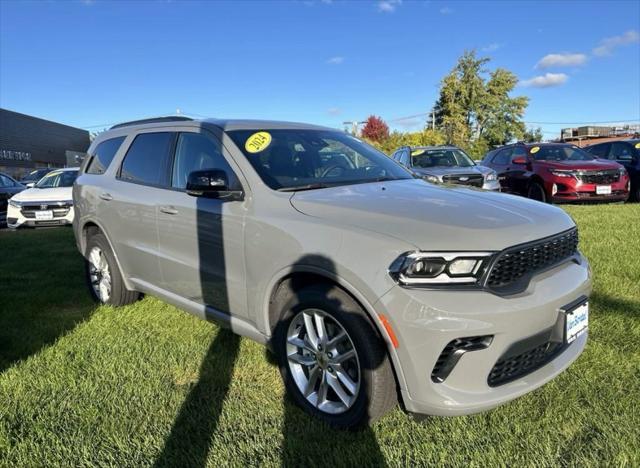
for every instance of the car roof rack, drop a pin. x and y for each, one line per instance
(177, 118)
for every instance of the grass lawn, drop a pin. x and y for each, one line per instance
(149, 384)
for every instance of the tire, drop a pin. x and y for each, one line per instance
(369, 388)
(110, 288)
(536, 192)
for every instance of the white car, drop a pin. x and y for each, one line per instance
(48, 203)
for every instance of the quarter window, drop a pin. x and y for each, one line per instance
(195, 152)
(146, 159)
(103, 155)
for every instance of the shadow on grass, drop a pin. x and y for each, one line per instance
(43, 295)
(190, 439)
(609, 304)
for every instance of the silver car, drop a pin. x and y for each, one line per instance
(446, 164)
(370, 285)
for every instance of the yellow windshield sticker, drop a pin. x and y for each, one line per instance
(417, 152)
(257, 142)
(535, 149)
(637, 145)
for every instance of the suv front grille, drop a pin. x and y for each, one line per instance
(517, 262)
(59, 209)
(512, 368)
(599, 177)
(476, 180)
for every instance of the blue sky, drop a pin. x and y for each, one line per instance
(87, 63)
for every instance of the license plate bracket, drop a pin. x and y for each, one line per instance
(603, 189)
(576, 320)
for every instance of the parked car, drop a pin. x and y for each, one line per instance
(446, 164)
(48, 203)
(368, 284)
(558, 172)
(625, 152)
(8, 188)
(33, 177)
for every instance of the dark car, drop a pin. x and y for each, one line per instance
(625, 152)
(33, 177)
(8, 188)
(558, 172)
(446, 164)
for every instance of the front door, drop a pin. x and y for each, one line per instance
(201, 239)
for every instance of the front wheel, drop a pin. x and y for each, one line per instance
(536, 192)
(103, 275)
(333, 361)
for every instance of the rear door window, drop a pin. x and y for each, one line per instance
(503, 157)
(621, 152)
(147, 159)
(103, 155)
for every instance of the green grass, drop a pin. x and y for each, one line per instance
(149, 384)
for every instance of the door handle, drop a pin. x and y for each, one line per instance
(106, 196)
(170, 210)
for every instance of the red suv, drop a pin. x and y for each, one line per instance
(557, 172)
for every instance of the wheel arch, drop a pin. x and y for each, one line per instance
(89, 228)
(281, 284)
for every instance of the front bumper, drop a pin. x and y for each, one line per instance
(572, 191)
(425, 321)
(16, 217)
(491, 185)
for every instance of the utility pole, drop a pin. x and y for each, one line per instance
(354, 126)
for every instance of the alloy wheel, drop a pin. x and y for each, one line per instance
(99, 274)
(323, 361)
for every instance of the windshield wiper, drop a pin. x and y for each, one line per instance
(300, 188)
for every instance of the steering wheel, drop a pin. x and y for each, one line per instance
(329, 169)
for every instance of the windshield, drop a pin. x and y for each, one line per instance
(308, 159)
(560, 153)
(58, 179)
(440, 158)
(35, 175)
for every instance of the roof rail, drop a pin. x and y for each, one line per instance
(177, 118)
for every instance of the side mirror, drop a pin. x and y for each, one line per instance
(211, 183)
(520, 160)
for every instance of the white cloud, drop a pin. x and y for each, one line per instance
(546, 81)
(335, 60)
(446, 11)
(607, 45)
(492, 47)
(388, 6)
(562, 60)
(411, 123)
(334, 111)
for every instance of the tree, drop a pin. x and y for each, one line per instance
(375, 129)
(533, 135)
(476, 112)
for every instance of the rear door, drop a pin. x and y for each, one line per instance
(201, 239)
(500, 162)
(128, 204)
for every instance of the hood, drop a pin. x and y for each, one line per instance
(433, 217)
(446, 170)
(595, 165)
(46, 194)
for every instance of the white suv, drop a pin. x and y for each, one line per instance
(48, 203)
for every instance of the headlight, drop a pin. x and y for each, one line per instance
(439, 268)
(431, 178)
(491, 176)
(561, 173)
(622, 172)
(15, 204)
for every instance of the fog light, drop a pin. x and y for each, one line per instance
(554, 189)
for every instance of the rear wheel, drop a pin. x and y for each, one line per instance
(333, 361)
(103, 275)
(536, 192)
